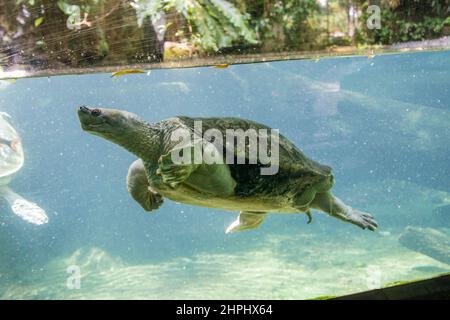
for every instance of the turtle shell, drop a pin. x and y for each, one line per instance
(289, 154)
(11, 152)
(297, 173)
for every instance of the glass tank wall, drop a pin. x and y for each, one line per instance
(382, 123)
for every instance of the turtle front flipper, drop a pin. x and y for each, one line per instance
(246, 221)
(139, 187)
(213, 178)
(174, 173)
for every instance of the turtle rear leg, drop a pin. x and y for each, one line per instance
(246, 220)
(332, 205)
(139, 187)
(303, 199)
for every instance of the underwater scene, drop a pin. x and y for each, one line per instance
(381, 123)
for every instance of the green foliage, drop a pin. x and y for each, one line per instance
(38, 21)
(294, 20)
(103, 47)
(214, 24)
(284, 24)
(72, 11)
(92, 32)
(406, 23)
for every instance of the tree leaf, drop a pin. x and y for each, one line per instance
(38, 21)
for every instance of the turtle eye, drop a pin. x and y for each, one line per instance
(96, 112)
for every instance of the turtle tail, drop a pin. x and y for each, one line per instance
(308, 213)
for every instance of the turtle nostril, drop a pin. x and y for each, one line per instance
(84, 109)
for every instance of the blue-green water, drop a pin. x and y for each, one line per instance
(383, 124)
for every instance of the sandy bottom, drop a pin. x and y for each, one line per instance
(280, 261)
(278, 268)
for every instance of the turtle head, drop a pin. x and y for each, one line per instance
(118, 126)
(107, 123)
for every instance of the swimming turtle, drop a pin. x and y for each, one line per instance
(11, 160)
(299, 185)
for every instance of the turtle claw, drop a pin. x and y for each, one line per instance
(363, 220)
(155, 200)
